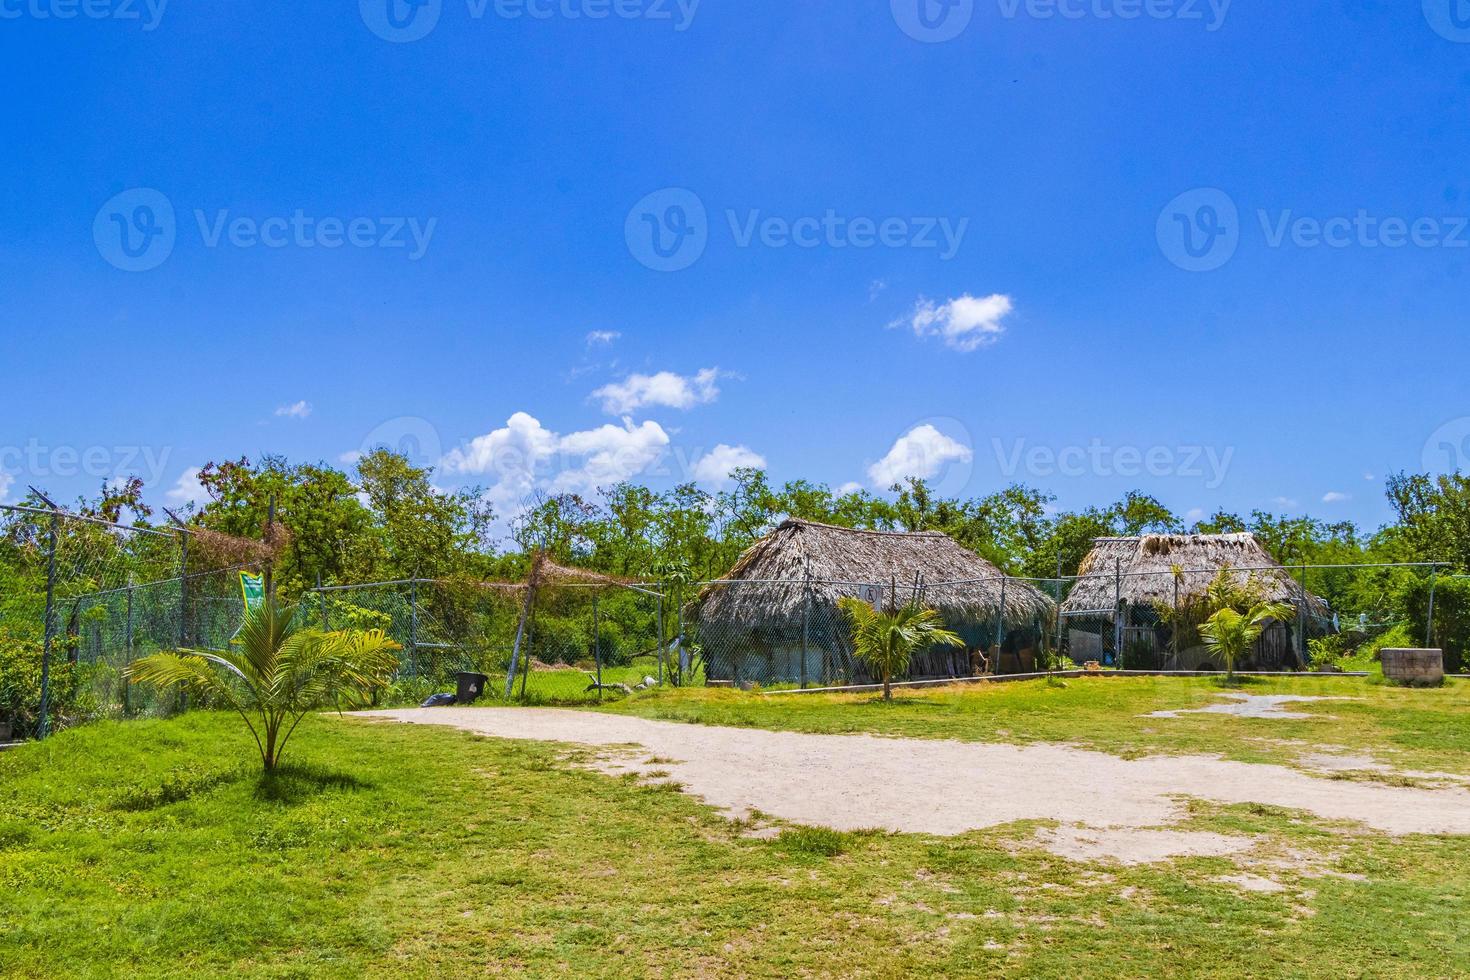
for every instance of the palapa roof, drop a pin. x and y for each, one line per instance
(841, 560)
(1147, 564)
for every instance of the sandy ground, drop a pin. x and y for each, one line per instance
(1249, 706)
(1108, 806)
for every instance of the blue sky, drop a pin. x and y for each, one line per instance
(1217, 253)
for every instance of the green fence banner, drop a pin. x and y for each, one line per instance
(253, 587)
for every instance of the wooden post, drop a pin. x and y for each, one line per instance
(597, 644)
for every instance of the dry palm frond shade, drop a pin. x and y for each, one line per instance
(1143, 570)
(768, 584)
(214, 549)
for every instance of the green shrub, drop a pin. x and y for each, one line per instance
(20, 685)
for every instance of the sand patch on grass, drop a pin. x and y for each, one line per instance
(932, 786)
(1250, 706)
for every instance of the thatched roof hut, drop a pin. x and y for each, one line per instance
(1142, 572)
(775, 614)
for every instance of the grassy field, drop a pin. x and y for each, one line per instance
(155, 849)
(1408, 729)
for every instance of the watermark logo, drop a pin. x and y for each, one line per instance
(1448, 449)
(403, 21)
(668, 230)
(135, 231)
(1211, 13)
(38, 461)
(1199, 230)
(400, 21)
(411, 437)
(1208, 464)
(1449, 18)
(149, 13)
(933, 21)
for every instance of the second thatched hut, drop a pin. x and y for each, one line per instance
(1120, 608)
(774, 619)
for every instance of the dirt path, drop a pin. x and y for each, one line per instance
(854, 782)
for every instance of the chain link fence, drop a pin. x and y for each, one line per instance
(578, 641)
(81, 597)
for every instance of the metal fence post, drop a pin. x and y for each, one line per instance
(1429, 626)
(43, 725)
(806, 612)
(597, 644)
(1000, 631)
(128, 656)
(1174, 642)
(413, 625)
(1301, 624)
(1118, 653)
(663, 650)
(322, 598)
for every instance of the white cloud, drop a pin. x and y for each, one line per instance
(964, 324)
(602, 338)
(665, 389)
(188, 490)
(1336, 497)
(1368, 476)
(714, 467)
(1195, 514)
(299, 410)
(524, 456)
(921, 453)
(7, 481)
(350, 458)
(875, 288)
(849, 487)
(610, 454)
(1286, 502)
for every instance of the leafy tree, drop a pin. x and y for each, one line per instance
(277, 673)
(1231, 633)
(1434, 516)
(887, 641)
(423, 532)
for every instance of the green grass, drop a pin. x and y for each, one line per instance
(154, 848)
(1411, 729)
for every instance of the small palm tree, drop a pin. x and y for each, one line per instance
(886, 641)
(1231, 633)
(276, 673)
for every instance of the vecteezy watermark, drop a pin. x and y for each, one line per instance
(1448, 449)
(37, 461)
(932, 21)
(137, 230)
(936, 21)
(413, 438)
(670, 229)
(1449, 18)
(403, 21)
(1200, 230)
(1206, 463)
(147, 13)
(1210, 13)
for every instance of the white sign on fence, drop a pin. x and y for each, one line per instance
(872, 595)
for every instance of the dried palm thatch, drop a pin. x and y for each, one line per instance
(1150, 564)
(212, 550)
(768, 586)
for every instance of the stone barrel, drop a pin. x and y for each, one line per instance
(1418, 668)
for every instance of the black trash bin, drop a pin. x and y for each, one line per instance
(471, 686)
